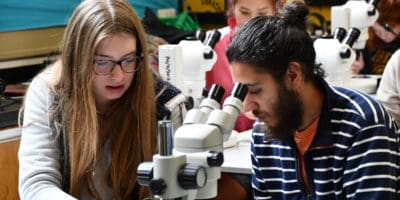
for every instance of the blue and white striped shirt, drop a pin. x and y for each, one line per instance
(354, 155)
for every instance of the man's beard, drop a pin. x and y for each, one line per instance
(289, 113)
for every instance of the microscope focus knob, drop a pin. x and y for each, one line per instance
(145, 173)
(215, 159)
(345, 52)
(157, 186)
(192, 176)
(372, 7)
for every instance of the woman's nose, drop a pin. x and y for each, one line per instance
(117, 73)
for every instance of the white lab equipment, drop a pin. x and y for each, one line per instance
(185, 64)
(355, 13)
(336, 55)
(191, 170)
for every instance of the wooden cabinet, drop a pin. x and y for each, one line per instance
(9, 170)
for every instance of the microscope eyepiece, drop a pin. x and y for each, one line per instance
(239, 91)
(352, 36)
(216, 92)
(200, 35)
(339, 33)
(212, 38)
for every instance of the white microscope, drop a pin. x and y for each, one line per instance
(355, 13)
(349, 24)
(336, 55)
(185, 64)
(191, 169)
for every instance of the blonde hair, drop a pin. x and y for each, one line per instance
(134, 119)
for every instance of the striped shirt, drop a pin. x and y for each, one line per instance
(354, 155)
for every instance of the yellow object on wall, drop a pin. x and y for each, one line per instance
(205, 6)
(320, 19)
(325, 11)
(28, 43)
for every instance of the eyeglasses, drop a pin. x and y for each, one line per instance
(128, 65)
(388, 28)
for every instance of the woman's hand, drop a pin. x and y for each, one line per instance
(358, 64)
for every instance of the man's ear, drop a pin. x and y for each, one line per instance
(294, 75)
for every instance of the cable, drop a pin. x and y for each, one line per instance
(9, 101)
(3, 85)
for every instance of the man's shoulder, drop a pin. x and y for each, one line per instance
(349, 98)
(358, 107)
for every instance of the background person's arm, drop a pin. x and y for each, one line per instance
(388, 92)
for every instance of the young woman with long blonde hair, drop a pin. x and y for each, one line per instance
(90, 118)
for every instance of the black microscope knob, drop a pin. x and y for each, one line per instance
(192, 176)
(145, 173)
(215, 159)
(158, 186)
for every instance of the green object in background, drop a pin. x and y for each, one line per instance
(183, 21)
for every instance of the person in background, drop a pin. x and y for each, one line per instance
(323, 142)
(90, 118)
(239, 12)
(383, 41)
(153, 42)
(388, 92)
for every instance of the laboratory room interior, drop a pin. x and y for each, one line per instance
(199, 151)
